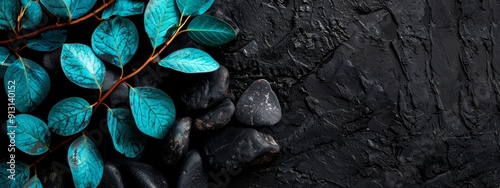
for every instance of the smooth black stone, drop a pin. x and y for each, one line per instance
(111, 177)
(234, 147)
(192, 173)
(137, 174)
(258, 105)
(51, 178)
(217, 118)
(176, 143)
(208, 91)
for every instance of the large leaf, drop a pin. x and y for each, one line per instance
(210, 31)
(6, 59)
(85, 163)
(33, 182)
(190, 60)
(9, 10)
(33, 14)
(127, 139)
(69, 9)
(124, 8)
(116, 41)
(153, 111)
(159, 17)
(32, 84)
(14, 173)
(82, 66)
(32, 135)
(70, 116)
(48, 41)
(188, 7)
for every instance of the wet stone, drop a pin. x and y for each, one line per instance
(258, 105)
(217, 118)
(111, 177)
(176, 143)
(208, 91)
(137, 174)
(192, 173)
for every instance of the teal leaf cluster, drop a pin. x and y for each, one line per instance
(6, 59)
(82, 66)
(190, 60)
(22, 174)
(70, 116)
(48, 41)
(32, 84)
(32, 134)
(210, 31)
(33, 14)
(127, 138)
(68, 9)
(123, 8)
(85, 163)
(159, 17)
(10, 11)
(33, 182)
(116, 41)
(153, 111)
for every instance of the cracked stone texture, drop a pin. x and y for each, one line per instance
(383, 93)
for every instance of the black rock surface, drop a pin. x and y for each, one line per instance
(176, 142)
(216, 118)
(137, 174)
(111, 177)
(208, 91)
(258, 105)
(192, 173)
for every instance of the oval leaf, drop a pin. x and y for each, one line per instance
(34, 182)
(82, 66)
(210, 31)
(70, 116)
(188, 7)
(10, 11)
(190, 60)
(85, 163)
(123, 8)
(68, 9)
(205, 7)
(6, 59)
(153, 111)
(159, 17)
(32, 84)
(127, 139)
(32, 135)
(33, 14)
(116, 41)
(48, 41)
(16, 177)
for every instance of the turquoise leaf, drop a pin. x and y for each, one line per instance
(188, 7)
(159, 17)
(123, 8)
(205, 7)
(68, 9)
(82, 66)
(10, 11)
(48, 41)
(153, 111)
(70, 116)
(6, 59)
(116, 41)
(85, 163)
(127, 139)
(32, 134)
(32, 84)
(33, 182)
(33, 14)
(190, 60)
(210, 31)
(14, 178)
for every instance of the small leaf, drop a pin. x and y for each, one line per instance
(9, 11)
(123, 8)
(210, 31)
(48, 41)
(190, 60)
(82, 66)
(188, 7)
(16, 177)
(32, 135)
(205, 7)
(159, 17)
(32, 84)
(68, 9)
(116, 41)
(85, 163)
(127, 139)
(70, 116)
(34, 182)
(33, 15)
(6, 59)
(153, 111)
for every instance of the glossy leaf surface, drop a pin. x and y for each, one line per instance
(210, 31)
(33, 15)
(22, 174)
(85, 163)
(190, 60)
(32, 135)
(48, 41)
(32, 84)
(33, 182)
(205, 7)
(127, 138)
(116, 41)
(188, 7)
(153, 111)
(70, 116)
(124, 8)
(9, 11)
(82, 66)
(6, 59)
(69, 9)
(159, 17)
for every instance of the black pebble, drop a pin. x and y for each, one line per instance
(208, 91)
(176, 143)
(258, 105)
(192, 173)
(217, 118)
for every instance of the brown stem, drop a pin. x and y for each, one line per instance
(54, 149)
